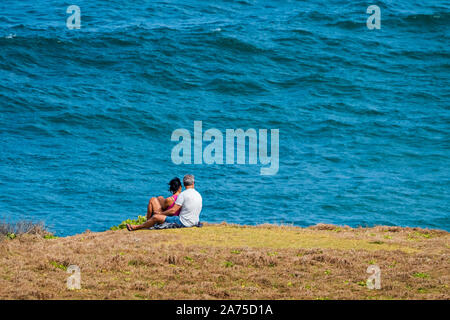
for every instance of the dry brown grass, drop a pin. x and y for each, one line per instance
(230, 262)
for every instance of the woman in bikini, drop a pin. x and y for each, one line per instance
(159, 204)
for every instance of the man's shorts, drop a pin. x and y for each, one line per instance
(174, 219)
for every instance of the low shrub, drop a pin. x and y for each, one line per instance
(123, 225)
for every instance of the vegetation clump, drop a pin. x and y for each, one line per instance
(123, 225)
(11, 231)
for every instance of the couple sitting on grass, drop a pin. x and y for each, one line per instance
(182, 208)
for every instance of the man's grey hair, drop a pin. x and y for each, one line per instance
(188, 180)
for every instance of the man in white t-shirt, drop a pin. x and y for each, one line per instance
(190, 202)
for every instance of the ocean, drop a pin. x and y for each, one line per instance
(87, 115)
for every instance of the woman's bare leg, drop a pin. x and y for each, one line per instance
(157, 218)
(161, 201)
(155, 205)
(149, 209)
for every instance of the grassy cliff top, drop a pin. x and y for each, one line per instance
(230, 262)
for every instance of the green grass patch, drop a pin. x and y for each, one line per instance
(136, 263)
(58, 265)
(423, 235)
(50, 236)
(158, 284)
(361, 283)
(11, 235)
(421, 275)
(123, 225)
(228, 264)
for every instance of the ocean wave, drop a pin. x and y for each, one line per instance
(234, 44)
(235, 86)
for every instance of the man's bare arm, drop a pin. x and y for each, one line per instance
(172, 210)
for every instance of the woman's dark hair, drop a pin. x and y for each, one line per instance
(174, 185)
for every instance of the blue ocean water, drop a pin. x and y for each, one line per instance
(86, 116)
